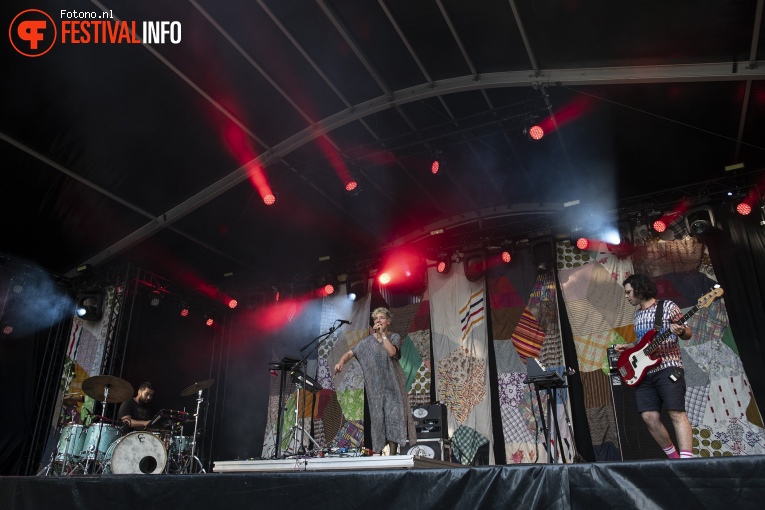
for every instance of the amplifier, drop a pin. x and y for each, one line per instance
(436, 449)
(430, 421)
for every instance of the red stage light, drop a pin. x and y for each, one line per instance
(659, 226)
(441, 266)
(582, 243)
(232, 303)
(435, 167)
(329, 289)
(506, 257)
(184, 312)
(209, 322)
(269, 199)
(536, 132)
(7, 330)
(351, 185)
(743, 208)
(384, 278)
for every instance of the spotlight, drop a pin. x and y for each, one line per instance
(744, 209)
(443, 263)
(356, 286)
(659, 226)
(7, 329)
(209, 320)
(184, 311)
(155, 298)
(351, 185)
(90, 305)
(700, 221)
(18, 288)
(232, 303)
(507, 252)
(329, 289)
(435, 166)
(384, 278)
(269, 199)
(474, 265)
(579, 239)
(536, 132)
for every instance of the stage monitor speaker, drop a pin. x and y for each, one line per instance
(430, 421)
(435, 449)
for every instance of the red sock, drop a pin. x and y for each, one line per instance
(670, 451)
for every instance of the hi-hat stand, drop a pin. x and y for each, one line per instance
(197, 388)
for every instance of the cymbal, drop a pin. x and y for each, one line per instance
(119, 389)
(197, 386)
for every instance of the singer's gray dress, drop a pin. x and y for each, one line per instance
(385, 392)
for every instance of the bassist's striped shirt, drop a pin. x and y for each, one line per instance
(668, 350)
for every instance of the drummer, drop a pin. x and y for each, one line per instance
(136, 412)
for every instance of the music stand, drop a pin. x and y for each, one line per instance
(285, 365)
(548, 381)
(300, 379)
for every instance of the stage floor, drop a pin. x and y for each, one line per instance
(730, 482)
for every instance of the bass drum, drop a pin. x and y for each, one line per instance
(135, 454)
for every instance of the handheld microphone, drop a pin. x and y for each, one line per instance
(341, 321)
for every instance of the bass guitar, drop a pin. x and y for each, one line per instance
(635, 362)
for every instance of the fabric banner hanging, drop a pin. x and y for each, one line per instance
(719, 403)
(460, 351)
(525, 323)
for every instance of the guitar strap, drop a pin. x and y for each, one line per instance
(659, 315)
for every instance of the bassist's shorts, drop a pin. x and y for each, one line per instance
(658, 391)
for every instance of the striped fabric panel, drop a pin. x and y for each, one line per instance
(602, 425)
(332, 418)
(585, 319)
(551, 354)
(575, 282)
(597, 389)
(607, 297)
(472, 313)
(528, 337)
(591, 350)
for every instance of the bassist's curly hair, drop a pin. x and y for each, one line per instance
(642, 285)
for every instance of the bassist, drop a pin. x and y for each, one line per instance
(664, 384)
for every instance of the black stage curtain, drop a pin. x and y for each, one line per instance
(580, 425)
(737, 250)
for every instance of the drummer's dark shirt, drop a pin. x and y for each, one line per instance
(135, 410)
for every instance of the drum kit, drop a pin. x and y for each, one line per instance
(103, 447)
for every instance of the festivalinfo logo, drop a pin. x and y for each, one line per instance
(34, 32)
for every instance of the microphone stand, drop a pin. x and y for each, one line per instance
(297, 367)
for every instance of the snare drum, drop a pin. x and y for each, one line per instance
(180, 444)
(70, 443)
(136, 453)
(109, 434)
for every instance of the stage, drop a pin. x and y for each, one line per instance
(733, 482)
